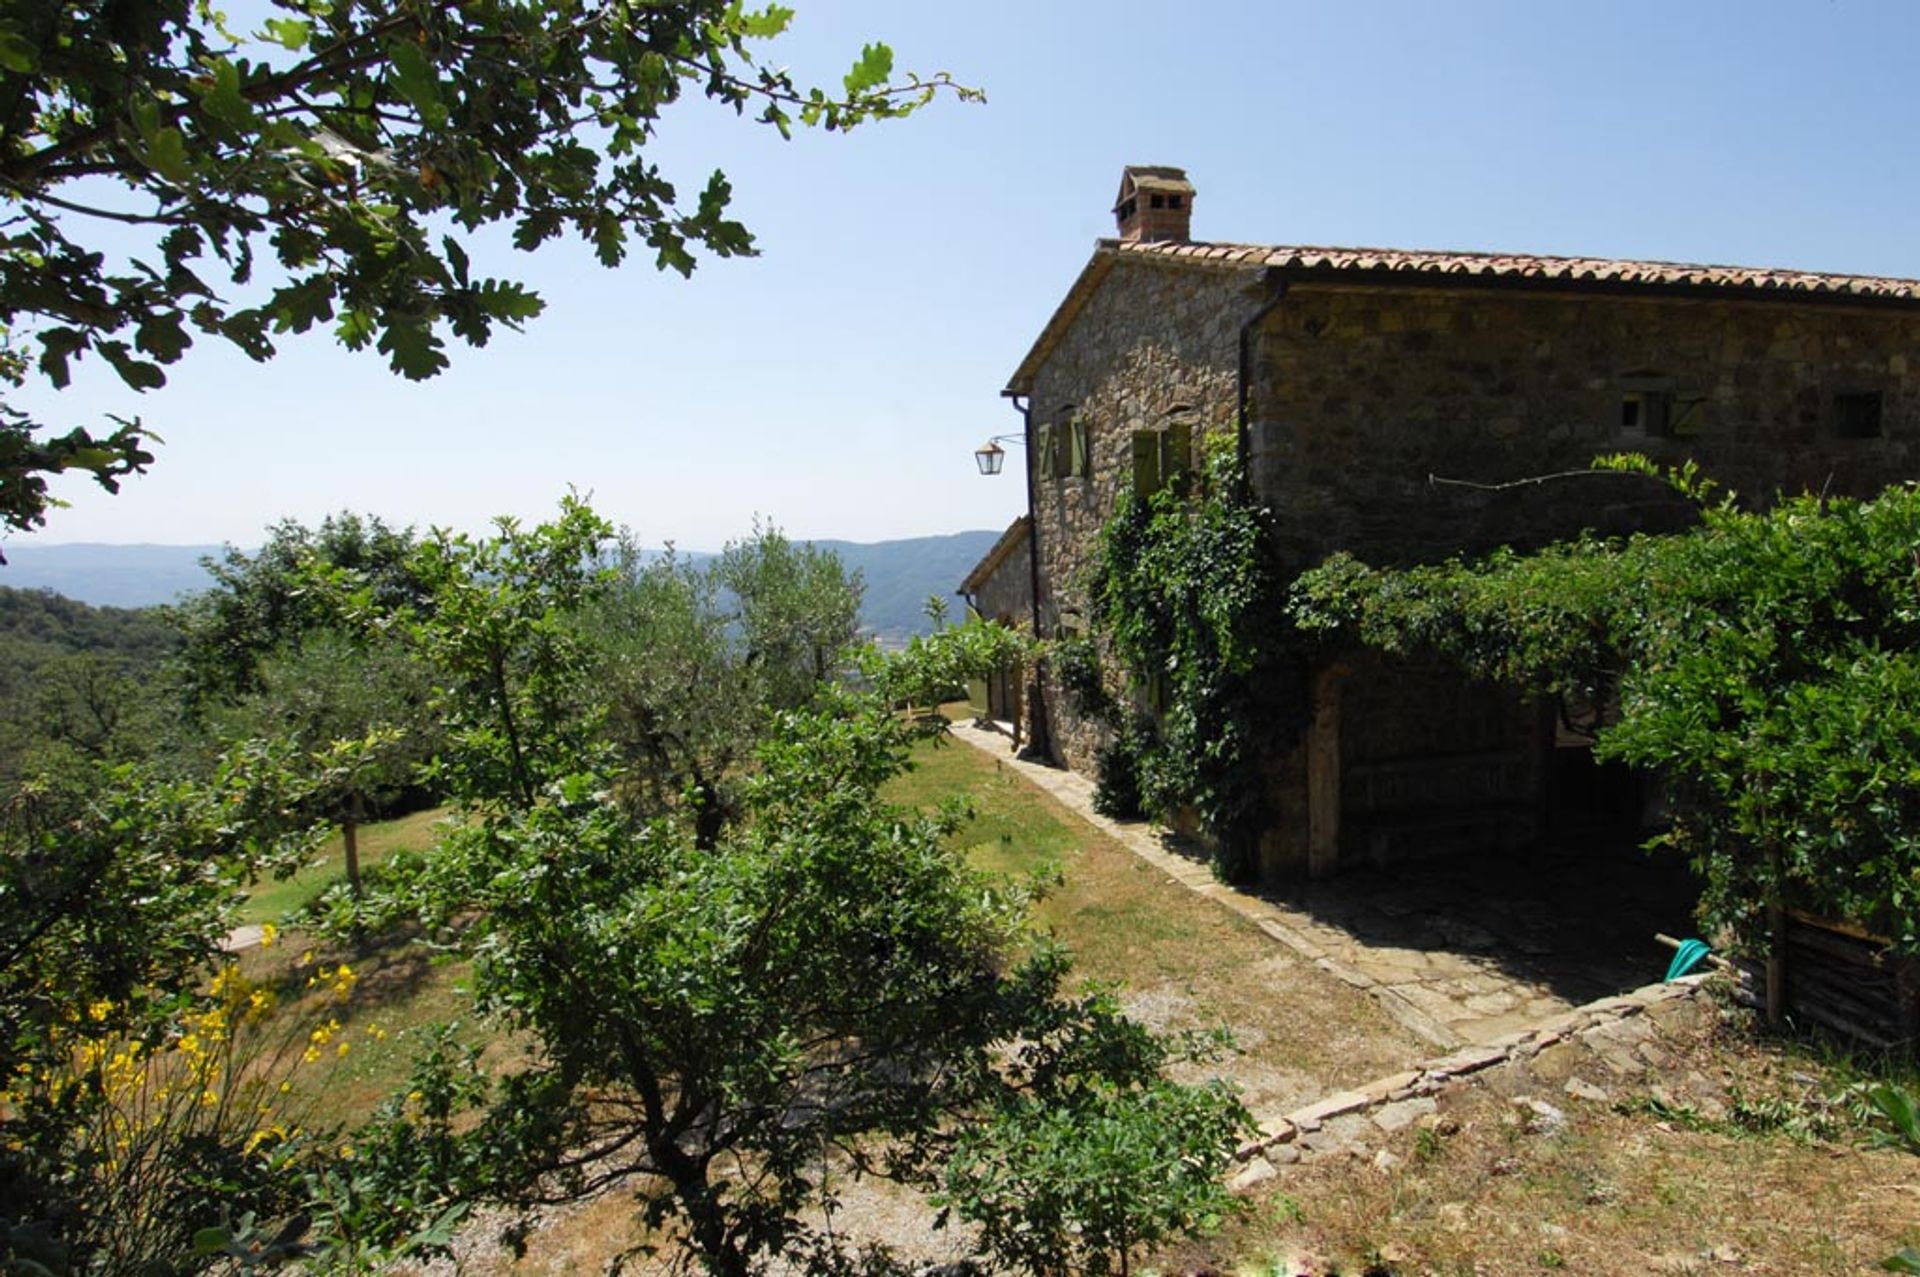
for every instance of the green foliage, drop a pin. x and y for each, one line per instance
(821, 974)
(1764, 664)
(114, 896)
(1186, 593)
(717, 1017)
(359, 712)
(351, 155)
(1075, 663)
(692, 664)
(1897, 1107)
(78, 684)
(273, 600)
(935, 668)
(798, 613)
(1117, 791)
(1078, 1178)
(498, 627)
(830, 976)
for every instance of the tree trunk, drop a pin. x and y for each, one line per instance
(709, 818)
(350, 838)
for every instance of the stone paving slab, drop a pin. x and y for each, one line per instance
(1448, 978)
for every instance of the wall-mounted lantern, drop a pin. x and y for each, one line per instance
(990, 456)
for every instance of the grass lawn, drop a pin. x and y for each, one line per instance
(401, 988)
(272, 899)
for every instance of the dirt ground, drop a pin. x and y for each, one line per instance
(1516, 1173)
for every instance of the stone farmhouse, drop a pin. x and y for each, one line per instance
(1356, 384)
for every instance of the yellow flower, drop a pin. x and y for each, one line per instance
(341, 1050)
(268, 934)
(311, 1055)
(346, 1152)
(99, 1011)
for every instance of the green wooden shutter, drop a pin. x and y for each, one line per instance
(1146, 463)
(1176, 455)
(1079, 464)
(1043, 446)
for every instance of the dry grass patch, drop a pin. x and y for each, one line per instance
(1487, 1189)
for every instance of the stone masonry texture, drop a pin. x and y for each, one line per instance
(1364, 400)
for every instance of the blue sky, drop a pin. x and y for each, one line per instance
(838, 383)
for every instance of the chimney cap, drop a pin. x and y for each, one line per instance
(1151, 177)
(1155, 204)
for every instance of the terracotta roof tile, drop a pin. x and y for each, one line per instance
(1388, 266)
(1413, 263)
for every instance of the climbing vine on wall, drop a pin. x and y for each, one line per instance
(1766, 665)
(1187, 596)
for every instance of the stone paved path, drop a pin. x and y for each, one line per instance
(1460, 955)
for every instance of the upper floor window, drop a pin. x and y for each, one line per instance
(1650, 406)
(1645, 412)
(1162, 458)
(1063, 450)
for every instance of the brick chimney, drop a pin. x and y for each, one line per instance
(1155, 203)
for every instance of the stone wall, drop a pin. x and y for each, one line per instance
(1152, 342)
(1360, 396)
(1007, 593)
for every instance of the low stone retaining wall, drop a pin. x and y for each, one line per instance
(1619, 1033)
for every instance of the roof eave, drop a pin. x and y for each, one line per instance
(1002, 550)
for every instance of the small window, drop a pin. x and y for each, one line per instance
(1162, 458)
(1646, 412)
(1173, 201)
(1157, 201)
(1857, 416)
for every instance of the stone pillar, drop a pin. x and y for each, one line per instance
(1323, 774)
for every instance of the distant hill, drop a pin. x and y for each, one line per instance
(109, 575)
(899, 574)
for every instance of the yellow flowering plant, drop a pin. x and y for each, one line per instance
(146, 1125)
